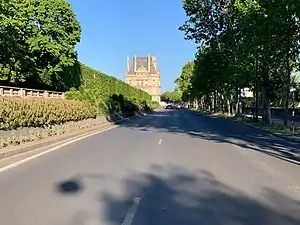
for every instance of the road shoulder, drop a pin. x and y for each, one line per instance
(291, 153)
(57, 140)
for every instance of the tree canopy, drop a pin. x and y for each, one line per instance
(174, 96)
(241, 44)
(184, 81)
(37, 42)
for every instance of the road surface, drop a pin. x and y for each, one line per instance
(172, 167)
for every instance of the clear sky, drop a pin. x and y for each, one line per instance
(115, 29)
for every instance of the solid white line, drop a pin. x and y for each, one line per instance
(131, 212)
(52, 149)
(160, 141)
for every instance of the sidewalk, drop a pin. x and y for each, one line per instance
(273, 140)
(283, 134)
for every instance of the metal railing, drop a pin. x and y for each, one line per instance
(29, 93)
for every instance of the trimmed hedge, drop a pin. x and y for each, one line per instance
(108, 94)
(22, 112)
(98, 94)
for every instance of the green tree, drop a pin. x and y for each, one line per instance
(184, 81)
(166, 96)
(37, 41)
(243, 43)
(175, 96)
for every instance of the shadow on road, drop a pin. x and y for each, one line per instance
(173, 195)
(221, 130)
(70, 186)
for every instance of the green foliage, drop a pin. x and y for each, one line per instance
(184, 81)
(108, 94)
(175, 96)
(243, 43)
(37, 43)
(21, 112)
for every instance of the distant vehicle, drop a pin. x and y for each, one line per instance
(169, 106)
(163, 104)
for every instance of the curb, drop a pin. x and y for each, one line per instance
(283, 136)
(59, 139)
(296, 156)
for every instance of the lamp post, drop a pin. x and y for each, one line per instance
(293, 89)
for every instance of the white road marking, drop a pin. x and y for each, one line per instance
(160, 141)
(52, 149)
(131, 212)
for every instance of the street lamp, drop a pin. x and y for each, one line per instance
(293, 89)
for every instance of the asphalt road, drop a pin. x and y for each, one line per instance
(169, 168)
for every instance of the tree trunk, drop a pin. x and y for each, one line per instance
(238, 104)
(287, 92)
(256, 89)
(266, 118)
(256, 99)
(215, 101)
(228, 107)
(221, 103)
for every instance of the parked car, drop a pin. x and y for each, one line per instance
(169, 106)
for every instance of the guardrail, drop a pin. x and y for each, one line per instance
(29, 93)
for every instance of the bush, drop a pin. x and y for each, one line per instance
(108, 94)
(20, 112)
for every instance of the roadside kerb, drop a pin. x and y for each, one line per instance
(59, 139)
(296, 156)
(279, 135)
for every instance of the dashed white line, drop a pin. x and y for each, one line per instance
(131, 212)
(160, 141)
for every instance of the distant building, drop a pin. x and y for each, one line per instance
(144, 74)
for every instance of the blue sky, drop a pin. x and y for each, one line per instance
(115, 29)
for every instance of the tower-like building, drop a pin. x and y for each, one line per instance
(144, 74)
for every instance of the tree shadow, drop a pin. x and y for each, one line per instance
(117, 106)
(117, 103)
(221, 130)
(175, 195)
